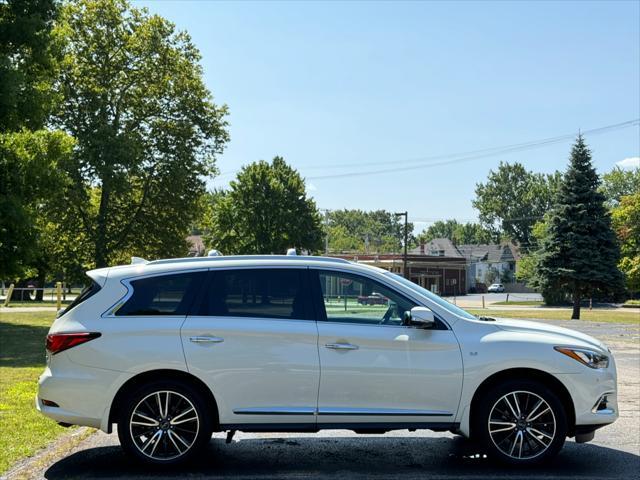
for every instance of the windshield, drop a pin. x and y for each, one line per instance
(431, 296)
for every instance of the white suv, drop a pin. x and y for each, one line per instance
(173, 350)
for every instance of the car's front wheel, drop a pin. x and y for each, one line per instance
(164, 422)
(521, 422)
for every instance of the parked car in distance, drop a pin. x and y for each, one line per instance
(496, 288)
(173, 350)
(374, 299)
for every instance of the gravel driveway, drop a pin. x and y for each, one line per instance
(615, 452)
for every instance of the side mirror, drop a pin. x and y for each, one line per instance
(420, 317)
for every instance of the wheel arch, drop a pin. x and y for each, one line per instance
(543, 377)
(163, 374)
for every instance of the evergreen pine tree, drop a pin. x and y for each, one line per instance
(580, 253)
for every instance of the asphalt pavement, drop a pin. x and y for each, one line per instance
(615, 452)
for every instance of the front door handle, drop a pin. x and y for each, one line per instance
(206, 339)
(341, 346)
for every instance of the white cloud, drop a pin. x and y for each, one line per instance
(311, 187)
(629, 163)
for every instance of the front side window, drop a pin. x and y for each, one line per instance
(352, 298)
(431, 296)
(259, 293)
(163, 294)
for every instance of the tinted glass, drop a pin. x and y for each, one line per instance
(354, 299)
(85, 294)
(431, 296)
(163, 295)
(264, 293)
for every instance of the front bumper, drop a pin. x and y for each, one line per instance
(595, 400)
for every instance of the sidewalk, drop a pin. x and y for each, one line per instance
(26, 309)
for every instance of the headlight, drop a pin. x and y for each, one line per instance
(586, 357)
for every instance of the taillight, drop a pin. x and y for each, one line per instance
(58, 342)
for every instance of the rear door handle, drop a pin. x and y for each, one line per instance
(206, 339)
(341, 346)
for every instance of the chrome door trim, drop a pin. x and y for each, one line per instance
(205, 339)
(387, 412)
(275, 411)
(390, 412)
(341, 346)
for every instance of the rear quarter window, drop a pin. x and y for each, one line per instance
(86, 293)
(170, 294)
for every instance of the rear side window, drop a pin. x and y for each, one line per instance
(86, 293)
(163, 294)
(264, 293)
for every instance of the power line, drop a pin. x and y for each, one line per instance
(491, 150)
(456, 157)
(485, 153)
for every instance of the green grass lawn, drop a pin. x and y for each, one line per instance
(45, 303)
(596, 315)
(23, 430)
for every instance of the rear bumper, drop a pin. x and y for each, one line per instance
(83, 395)
(61, 415)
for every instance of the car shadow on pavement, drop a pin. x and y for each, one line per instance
(348, 457)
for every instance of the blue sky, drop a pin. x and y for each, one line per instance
(328, 84)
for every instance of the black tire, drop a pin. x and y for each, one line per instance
(185, 403)
(525, 443)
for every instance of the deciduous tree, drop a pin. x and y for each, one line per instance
(265, 211)
(146, 127)
(513, 199)
(626, 221)
(618, 182)
(29, 153)
(376, 231)
(459, 233)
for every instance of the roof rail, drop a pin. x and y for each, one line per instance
(249, 258)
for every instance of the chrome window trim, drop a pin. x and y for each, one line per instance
(380, 278)
(257, 319)
(126, 282)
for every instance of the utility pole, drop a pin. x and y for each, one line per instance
(405, 272)
(326, 231)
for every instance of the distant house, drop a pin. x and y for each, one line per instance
(479, 260)
(482, 259)
(440, 268)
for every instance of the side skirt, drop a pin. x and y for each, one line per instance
(358, 427)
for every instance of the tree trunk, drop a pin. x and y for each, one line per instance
(101, 227)
(575, 315)
(40, 285)
(22, 295)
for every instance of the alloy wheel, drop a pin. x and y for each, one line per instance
(164, 425)
(522, 425)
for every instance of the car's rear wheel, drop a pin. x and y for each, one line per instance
(164, 423)
(521, 423)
